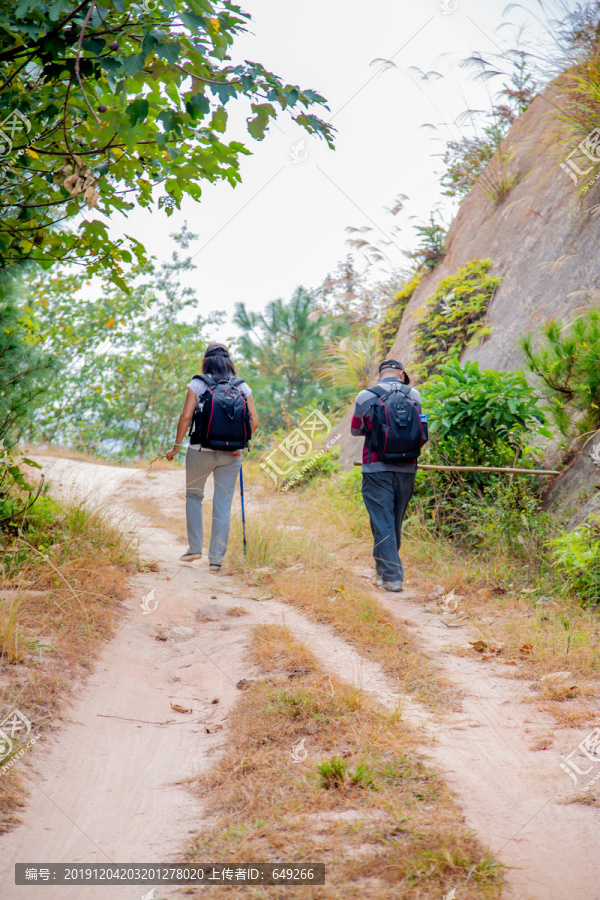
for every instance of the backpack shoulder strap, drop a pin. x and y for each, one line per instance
(378, 390)
(236, 382)
(208, 380)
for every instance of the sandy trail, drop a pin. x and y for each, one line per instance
(103, 788)
(514, 797)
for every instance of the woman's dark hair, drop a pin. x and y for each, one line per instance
(216, 362)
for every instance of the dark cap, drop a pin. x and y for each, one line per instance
(216, 350)
(394, 364)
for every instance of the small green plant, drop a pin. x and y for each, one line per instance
(494, 410)
(17, 492)
(430, 251)
(498, 178)
(335, 774)
(363, 777)
(576, 554)
(388, 329)
(452, 318)
(565, 357)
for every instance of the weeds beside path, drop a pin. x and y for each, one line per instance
(62, 581)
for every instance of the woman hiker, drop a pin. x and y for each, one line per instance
(226, 418)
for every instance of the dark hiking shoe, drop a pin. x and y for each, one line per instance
(215, 568)
(392, 586)
(188, 556)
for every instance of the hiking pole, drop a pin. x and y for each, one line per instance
(243, 513)
(481, 469)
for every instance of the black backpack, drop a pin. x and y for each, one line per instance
(221, 420)
(398, 432)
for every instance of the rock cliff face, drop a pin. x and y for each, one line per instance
(544, 243)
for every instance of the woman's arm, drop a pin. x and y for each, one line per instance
(184, 422)
(253, 414)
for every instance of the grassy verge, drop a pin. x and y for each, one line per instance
(316, 773)
(311, 561)
(62, 577)
(516, 604)
(307, 549)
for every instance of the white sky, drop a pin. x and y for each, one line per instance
(284, 225)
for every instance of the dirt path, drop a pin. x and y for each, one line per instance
(104, 788)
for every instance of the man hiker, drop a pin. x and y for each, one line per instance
(220, 408)
(389, 416)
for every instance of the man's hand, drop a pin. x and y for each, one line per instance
(171, 454)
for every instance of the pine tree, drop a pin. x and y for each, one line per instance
(22, 365)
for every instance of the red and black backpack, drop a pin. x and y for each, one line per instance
(221, 420)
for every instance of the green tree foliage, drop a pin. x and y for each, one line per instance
(283, 347)
(124, 357)
(24, 368)
(105, 104)
(565, 357)
(452, 318)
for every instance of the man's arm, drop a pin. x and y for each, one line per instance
(362, 405)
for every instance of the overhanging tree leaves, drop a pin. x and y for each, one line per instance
(123, 357)
(283, 346)
(24, 368)
(104, 105)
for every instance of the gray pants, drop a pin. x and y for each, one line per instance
(225, 469)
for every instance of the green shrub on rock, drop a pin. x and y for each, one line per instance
(453, 317)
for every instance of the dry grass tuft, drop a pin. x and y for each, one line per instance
(238, 611)
(13, 797)
(387, 827)
(62, 579)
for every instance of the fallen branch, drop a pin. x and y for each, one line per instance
(481, 469)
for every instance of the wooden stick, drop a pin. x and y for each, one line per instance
(481, 469)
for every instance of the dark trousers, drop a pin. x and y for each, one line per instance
(386, 496)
